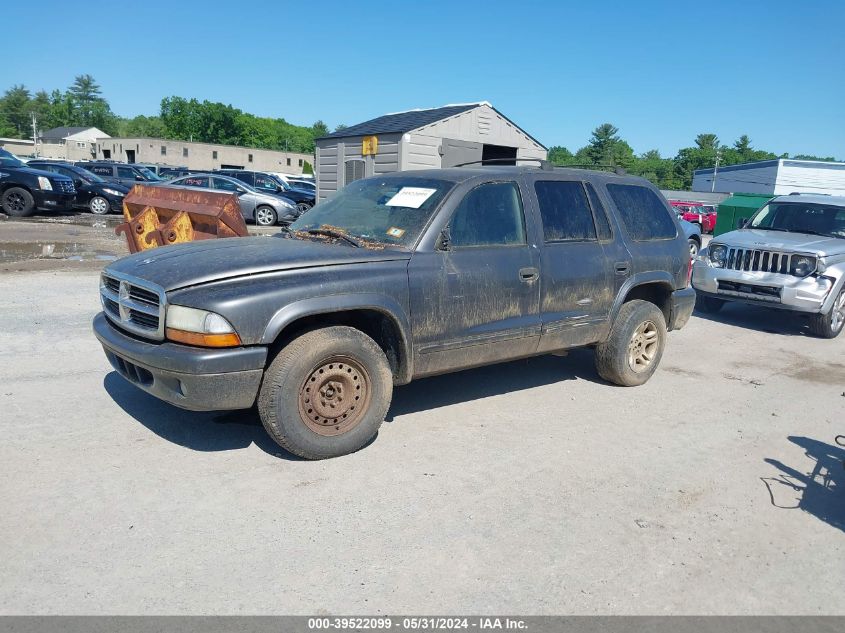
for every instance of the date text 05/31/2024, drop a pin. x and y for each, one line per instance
(430, 623)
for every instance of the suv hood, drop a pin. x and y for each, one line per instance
(182, 265)
(780, 241)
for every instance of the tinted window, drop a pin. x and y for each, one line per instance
(195, 181)
(224, 185)
(565, 211)
(100, 170)
(244, 176)
(126, 172)
(265, 182)
(489, 215)
(643, 213)
(599, 214)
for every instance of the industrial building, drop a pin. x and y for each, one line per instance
(199, 155)
(420, 139)
(773, 177)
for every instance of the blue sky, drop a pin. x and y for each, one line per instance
(660, 71)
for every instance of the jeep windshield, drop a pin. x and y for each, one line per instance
(801, 217)
(390, 211)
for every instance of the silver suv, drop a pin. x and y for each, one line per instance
(789, 255)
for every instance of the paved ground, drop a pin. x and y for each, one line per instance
(528, 488)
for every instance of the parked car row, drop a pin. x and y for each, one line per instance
(704, 215)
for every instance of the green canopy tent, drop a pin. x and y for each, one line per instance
(736, 209)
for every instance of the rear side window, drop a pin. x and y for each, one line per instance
(100, 170)
(645, 217)
(195, 181)
(565, 211)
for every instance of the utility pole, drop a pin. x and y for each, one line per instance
(34, 134)
(715, 172)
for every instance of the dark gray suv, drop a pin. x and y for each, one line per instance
(395, 278)
(122, 173)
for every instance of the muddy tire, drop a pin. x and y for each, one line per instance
(18, 202)
(633, 351)
(326, 393)
(708, 304)
(99, 206)
(830, 325)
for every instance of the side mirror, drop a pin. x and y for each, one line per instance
(139, 179)
(445, 240)
(743, 222)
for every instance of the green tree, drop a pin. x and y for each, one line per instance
(559, 155)
(707, 142)
(606, 148)
(15, 108)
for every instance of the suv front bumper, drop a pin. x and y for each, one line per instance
(194, 378)
(53, 200)
(787, 292)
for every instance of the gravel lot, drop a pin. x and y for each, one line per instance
(530, 488)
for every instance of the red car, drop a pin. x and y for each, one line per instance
(704, 215)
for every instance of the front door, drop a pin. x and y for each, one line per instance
(475, 300)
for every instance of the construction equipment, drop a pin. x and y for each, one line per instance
(161, 215)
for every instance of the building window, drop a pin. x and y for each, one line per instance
(164, 150)
(249, 158)
(113, 147)
(214, 154)
(137, 148)
(354, 170)
(184, 152)
(80, 143)
(300, 162)
(288, 162)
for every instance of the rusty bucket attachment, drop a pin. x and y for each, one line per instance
(159, 216)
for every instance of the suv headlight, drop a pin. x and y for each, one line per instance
(718, 254)
(44, 183)
(114, 192)
(802, 265)
(199, 327)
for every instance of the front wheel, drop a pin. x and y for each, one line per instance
(99, 206)
(635, 346)
(18, 202)
(302, 207)
(693, 247)
(266, 216)
(326, 393)
(830, 325)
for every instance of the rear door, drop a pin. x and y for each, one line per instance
(245, 200)
(576, 263)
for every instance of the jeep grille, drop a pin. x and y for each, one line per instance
(133, 304)
(750, 260)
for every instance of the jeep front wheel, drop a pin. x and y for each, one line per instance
(635, 346)
(830, 325)
(326, 393)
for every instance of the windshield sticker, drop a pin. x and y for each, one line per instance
(396, 232)
(410, 197)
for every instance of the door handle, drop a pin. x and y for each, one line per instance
(529, 274)
(622, 268)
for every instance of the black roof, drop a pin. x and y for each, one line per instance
(402, 122)
(58, 133)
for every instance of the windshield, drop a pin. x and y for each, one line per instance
(149, 175)
(10, 160)
(801, 217)
(388, 210)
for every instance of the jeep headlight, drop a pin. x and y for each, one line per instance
(44, 183)
(802, 265)
(718, 254)
(199, 327)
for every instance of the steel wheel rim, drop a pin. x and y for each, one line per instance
(837, 314)
(303, 207)
(335, 396)
(642, 349)
(99, 206)
(693, 249)
(16, 202)
(264, 217)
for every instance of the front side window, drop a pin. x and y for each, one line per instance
(265, 182)
(489, 215)
(644, 215)
(565, 211)
(125, 172)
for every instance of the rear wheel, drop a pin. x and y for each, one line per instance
(303, 207)
(693, 247)
(708, 304)
(266, 216)
(99, 205)
(633, 350)
(18, 202)
(830, 325)
(326, 393)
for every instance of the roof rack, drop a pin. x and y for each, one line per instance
(543, 163)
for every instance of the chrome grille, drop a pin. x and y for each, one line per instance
(134, 304)
(751, 260)
(66, 186)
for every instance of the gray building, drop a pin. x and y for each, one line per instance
(420, 139)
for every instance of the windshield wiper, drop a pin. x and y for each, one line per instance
(324, 230)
